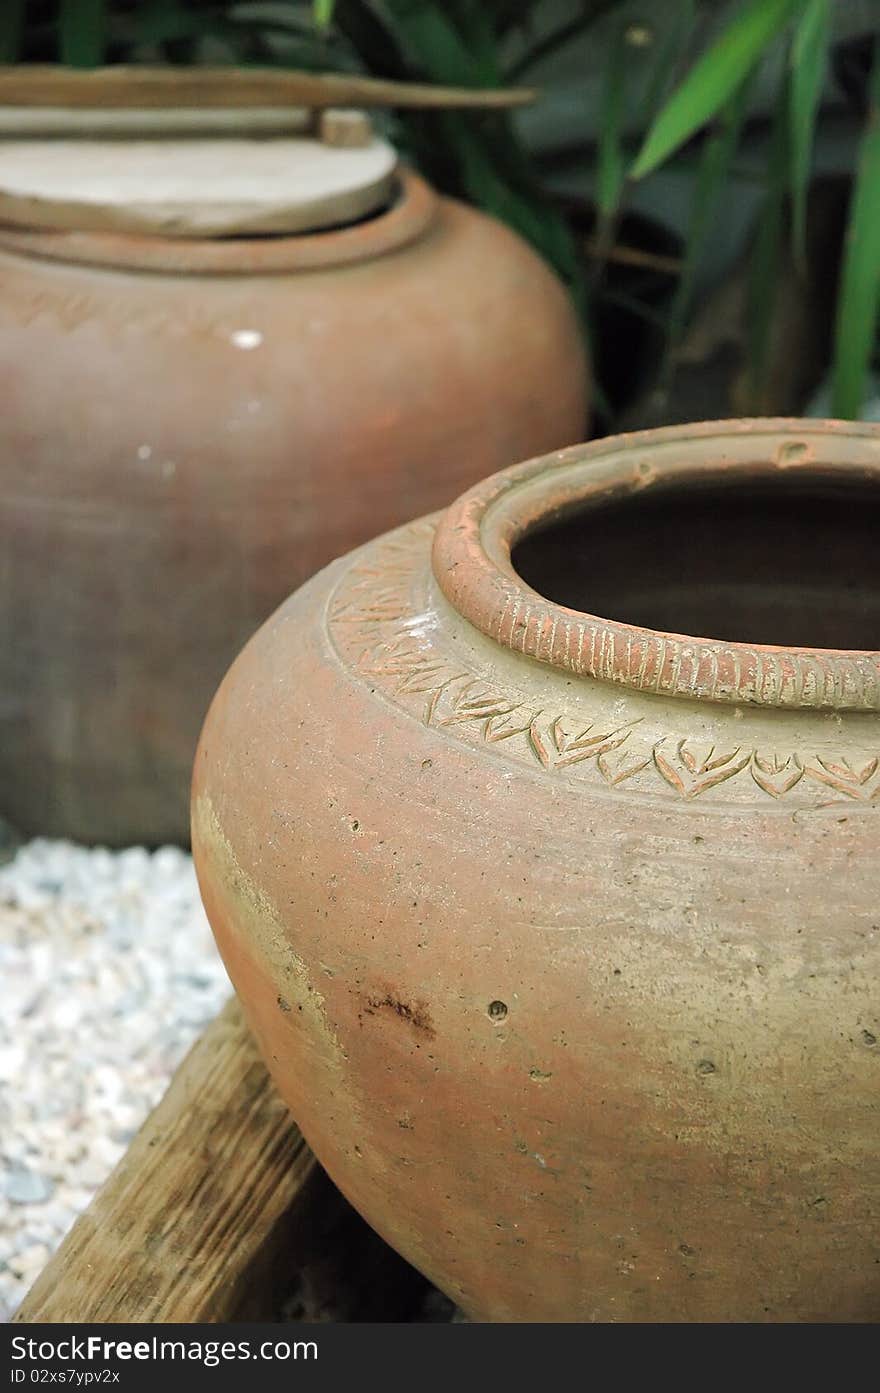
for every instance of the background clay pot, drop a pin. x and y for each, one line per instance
(560, 934)
(190, 429)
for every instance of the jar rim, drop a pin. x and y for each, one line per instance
(402, 222)
(476, 536)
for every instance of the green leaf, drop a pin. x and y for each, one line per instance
(678, 32)
(610, 164)
(166, 20)
(809, 52)
(765, 262)
(713, 79)
(714, 169)
(476, 24)
(322, 12)
(559, 37)
(440, 48)
(373, 39)
(81, 33)
(11, 29)
(858, 299)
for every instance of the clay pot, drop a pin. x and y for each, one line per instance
(561, 934)
(192, 428)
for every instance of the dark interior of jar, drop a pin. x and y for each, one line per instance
(795, 563)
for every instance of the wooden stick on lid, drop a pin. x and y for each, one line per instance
(123, 87)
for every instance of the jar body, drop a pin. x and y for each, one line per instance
(572, 988)
(181, 450)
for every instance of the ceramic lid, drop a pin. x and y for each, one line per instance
(205, 187)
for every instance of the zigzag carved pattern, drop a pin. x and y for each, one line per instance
(382, 635)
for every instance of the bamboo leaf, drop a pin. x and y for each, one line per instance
(610, 163)
(557, 38)
(765, 260)
(439, 47)
(713, 79)
(322, 12)
(859, 295)
(166, 20)
(476, 23)
(11, 30)
(373, 38)
(678, 33)
(715, 167)
(809, 52)
(81, 33)
(160, 22)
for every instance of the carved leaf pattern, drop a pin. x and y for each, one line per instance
(776, 775)
(690, 772)
(556, 749)
(453, 705)
(619, 769)
(503, 726)
(374, 608)
(861, 782)
(475, 703)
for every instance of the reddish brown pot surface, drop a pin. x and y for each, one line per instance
(561, 934)
(190, 430)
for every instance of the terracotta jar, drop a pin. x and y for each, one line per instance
(190, 428)
(561, 933)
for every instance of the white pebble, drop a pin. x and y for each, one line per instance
(27, 1187)
(29, 1263)
(109, 971)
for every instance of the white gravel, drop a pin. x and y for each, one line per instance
(107, 973)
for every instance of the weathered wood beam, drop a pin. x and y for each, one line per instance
(215, 1192)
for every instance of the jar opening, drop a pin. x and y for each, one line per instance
(740, 556)
(791, 562)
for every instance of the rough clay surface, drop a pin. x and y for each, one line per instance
(109, 973)
(571, 985)
(365, 377)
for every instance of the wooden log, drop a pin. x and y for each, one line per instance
(217, 1193)
(119, 87)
